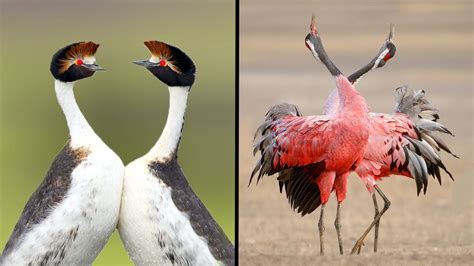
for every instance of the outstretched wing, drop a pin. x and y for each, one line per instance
(298, 182)
(397, 145)
(387, 149)
(286, 140)
(300, 187)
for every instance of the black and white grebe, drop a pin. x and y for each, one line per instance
(162, 221)
(73, 212)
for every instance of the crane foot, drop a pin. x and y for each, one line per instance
(357, 247)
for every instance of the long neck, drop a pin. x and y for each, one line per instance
(344, 88)
(359, 73)
(323, 56)
(167, 145)
(348, 96)
(378, 60)
(78, 126)
(334, 101)
(346, 92)
(328, 63)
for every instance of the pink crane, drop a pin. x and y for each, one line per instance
(285, 133)
(314, 155)
(403, 143)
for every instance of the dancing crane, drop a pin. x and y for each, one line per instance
(313, 155)
(402, 143)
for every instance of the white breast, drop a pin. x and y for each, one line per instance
(152, 228)
(83, 221)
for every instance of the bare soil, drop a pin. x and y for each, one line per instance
(434, 52)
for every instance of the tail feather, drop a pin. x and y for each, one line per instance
(439, 141)
(425, 150)
(413, 103)
(418, 171)
(429, 125)
(301, 190)
(419, 109)
(422, 153)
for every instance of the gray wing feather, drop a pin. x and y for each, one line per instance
(188, 202)
(422, 153)
(263, 138)
(50, 192)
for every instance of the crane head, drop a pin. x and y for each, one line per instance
(387, 51)
(169, 64)
(312, 40)
(315, 45)
(75, 61)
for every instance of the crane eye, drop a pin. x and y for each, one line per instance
(79, 62)
(163, 63)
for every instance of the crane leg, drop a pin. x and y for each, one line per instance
(321, 229)
(376, 236)
(337, 224)
(358, 245)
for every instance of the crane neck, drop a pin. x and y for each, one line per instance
(328, 63)
(323, 56)
(166, 148)
(354, 78)
(79, 128)
(348, 96)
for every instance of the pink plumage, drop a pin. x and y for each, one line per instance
(313, 155)
(337, 140)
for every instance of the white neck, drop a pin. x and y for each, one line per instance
(79, 129)
(167, 144)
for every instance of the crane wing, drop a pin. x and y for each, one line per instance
(286, 140)
(397, 145)
(385, 145)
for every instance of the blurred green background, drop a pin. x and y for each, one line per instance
(125, 105)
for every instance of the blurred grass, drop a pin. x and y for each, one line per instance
(125, 105)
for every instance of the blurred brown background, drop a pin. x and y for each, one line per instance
(434, 52)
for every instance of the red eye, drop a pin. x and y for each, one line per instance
(79, 61)
(163, 63)
(387, 57)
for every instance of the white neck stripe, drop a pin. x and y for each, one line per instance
(78, 126)
(167, 144)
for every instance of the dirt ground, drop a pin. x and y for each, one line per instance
(434, 52)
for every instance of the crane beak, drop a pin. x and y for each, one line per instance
(390, 34)
(93, 67)
(144, 63)
(312, 26)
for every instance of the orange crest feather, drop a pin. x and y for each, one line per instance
(159, 49)
(162, 51)
(79, 50)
